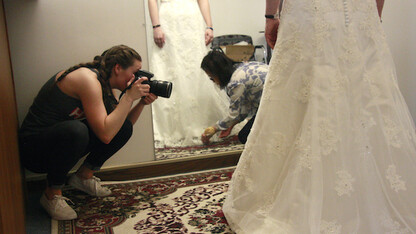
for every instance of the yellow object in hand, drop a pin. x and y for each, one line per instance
(209, 131)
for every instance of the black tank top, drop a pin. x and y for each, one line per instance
(51, 106)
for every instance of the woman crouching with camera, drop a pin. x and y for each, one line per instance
(243, 83)
(76, 113)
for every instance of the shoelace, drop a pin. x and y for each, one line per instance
(61, 200)
(97, 184)
(96, 178)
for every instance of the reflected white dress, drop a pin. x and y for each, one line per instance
(333, 147)
(195, 103)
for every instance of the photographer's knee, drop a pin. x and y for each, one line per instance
(127, 129)
(76, 133)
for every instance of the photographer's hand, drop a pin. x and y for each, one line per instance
(149, 99)
(138, 89)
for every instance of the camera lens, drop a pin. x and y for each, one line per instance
(161, 88)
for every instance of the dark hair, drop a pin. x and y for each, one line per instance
(104, 63)
(219, 65)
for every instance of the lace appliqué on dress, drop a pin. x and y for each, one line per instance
(352, 53)
(395, 182)
(392, 131)
(344, 183)
(364, 122)
(322, 32)
(328, 142)
(267, 202)
(393, 227)
(369, 78)
(280, 145)
(328, 138)
(304, 149)
(330, 227)
(304, 93)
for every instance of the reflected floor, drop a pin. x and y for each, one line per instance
(226, 145)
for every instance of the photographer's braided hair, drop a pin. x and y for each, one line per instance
(104, 63)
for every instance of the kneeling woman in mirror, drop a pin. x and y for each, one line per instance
(76, 113)
(243, 83)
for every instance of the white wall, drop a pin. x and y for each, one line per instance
(48, 36)
(399, 21)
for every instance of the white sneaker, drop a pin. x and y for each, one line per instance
(91, 186)
(57, 208)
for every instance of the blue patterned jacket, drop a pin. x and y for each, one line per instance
(244, 89)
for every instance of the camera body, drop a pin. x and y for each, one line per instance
(158, 87)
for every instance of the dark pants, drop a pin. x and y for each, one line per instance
(57, 150)
(243, 134)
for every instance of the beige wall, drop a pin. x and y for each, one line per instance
(48, 36)
(399, 21)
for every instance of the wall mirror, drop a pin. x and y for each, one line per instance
(197, 99)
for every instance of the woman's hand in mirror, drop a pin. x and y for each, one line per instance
(272, 26)
(208, 133)
(226, 132)
(149, 99)
(209, 36)
(159, 37)
(138, 90)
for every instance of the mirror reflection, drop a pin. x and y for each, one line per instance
(180, 34)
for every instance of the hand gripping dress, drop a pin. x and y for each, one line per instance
(195, 103)
(333, 146)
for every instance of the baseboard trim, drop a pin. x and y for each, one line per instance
(158, 168)
(170, 167)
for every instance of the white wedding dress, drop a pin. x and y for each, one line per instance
(195, 103)
(333, 147)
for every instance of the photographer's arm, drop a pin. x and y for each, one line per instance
(89, 92)
(136, 111)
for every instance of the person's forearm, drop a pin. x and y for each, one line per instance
(135, 112)
(115, 120)
(272, 7)
(205, 11)
(153, 11)
(380, 4)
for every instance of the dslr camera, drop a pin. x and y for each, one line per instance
(157, 87)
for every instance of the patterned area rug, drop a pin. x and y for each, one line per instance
(225, 145)
(189, 203)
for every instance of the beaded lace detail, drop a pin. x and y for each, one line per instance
(392, 226)
(395, 180)
(330, 227)
(344, 183)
